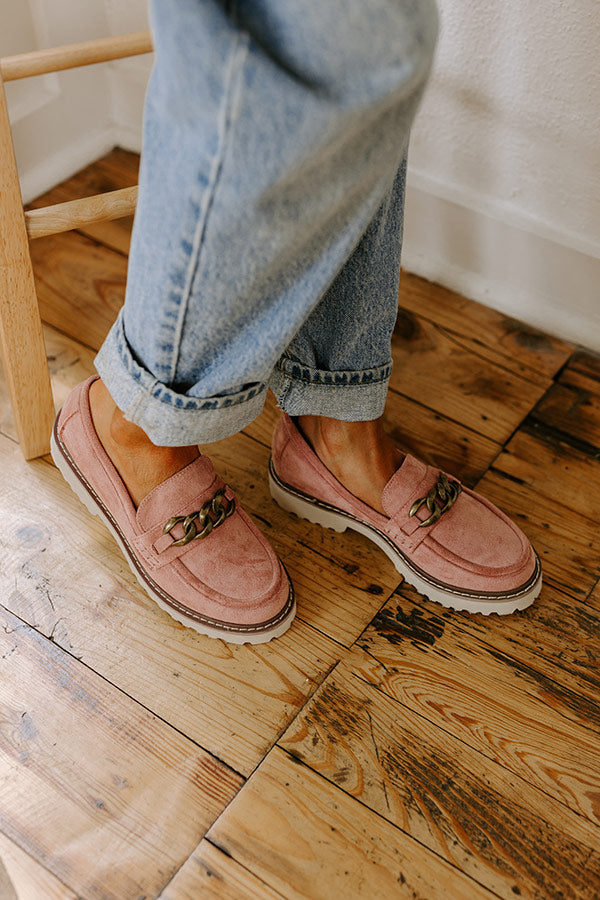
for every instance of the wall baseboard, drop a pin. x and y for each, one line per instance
(59, 166)
(525, 275)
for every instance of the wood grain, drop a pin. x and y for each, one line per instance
(551, 467)
(496, 696)
(306, 838)
(69, 363)
(435, 367)
(212, 875)
(81, 213)
(466, 808)
(507, 341)
(111, 806)
(80, 285)
(569, 412)
(22, 878)
(21, 341)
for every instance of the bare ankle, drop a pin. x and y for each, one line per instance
(141, 464)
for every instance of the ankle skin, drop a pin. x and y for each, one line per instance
(140, 463)
(360, 455)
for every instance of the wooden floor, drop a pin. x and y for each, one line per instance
(382, 748)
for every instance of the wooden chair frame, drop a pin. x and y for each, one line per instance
(21, 338)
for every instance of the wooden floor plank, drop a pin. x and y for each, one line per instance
(112, 806)
(305, 839)
(512, 343)
(551, 649)
(569, 412)
(585, 363)
(62, 572)
(212, 875)
(80, 285)
(22, 878)
(436, 368)
(466, 808)
(470, 676)
(550, 467)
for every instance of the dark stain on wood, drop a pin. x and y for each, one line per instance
(528, 338)
(508, 836)
(585, 710)
(407, 326)
(568, 414)
(558, 438)
(397, 626)
(465, 815)
(585, 362)
(334, 709)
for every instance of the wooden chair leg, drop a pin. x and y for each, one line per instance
(21, 339)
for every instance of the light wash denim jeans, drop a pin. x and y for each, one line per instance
(266, 244)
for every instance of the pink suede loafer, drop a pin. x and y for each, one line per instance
(450, 543)
(189, 543)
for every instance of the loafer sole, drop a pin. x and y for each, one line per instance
(486, 602)
(234, 634)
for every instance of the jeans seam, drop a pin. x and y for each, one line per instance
(293, 377)
(237, 55)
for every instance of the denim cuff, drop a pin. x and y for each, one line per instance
(353, 396)
(168, 418)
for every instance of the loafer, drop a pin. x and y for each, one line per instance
(189, 543)
(450, 543)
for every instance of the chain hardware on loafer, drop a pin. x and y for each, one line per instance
(439, 499)
(218, 506)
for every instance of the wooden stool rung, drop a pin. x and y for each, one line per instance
(55, 59)
(79, 213)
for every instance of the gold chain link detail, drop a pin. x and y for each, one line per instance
(440, 498)
(218, 507)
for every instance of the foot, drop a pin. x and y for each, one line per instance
(450, 543)
(189, 543)
(140, 463)
(360, 455)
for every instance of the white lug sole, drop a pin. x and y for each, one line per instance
(227, 634)
(329, 517)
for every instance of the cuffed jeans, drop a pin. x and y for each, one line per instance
(266, 244)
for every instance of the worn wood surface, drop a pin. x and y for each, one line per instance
(308, 838)
(384, 747)
(211, 874)
(113, 804)
(463, 805)
(22, 878)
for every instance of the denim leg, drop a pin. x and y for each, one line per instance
(274, 130)
(339, 363)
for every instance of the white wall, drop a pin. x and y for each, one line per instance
(60, 121)
(503, 199)
(504, 181)
(63, 121)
